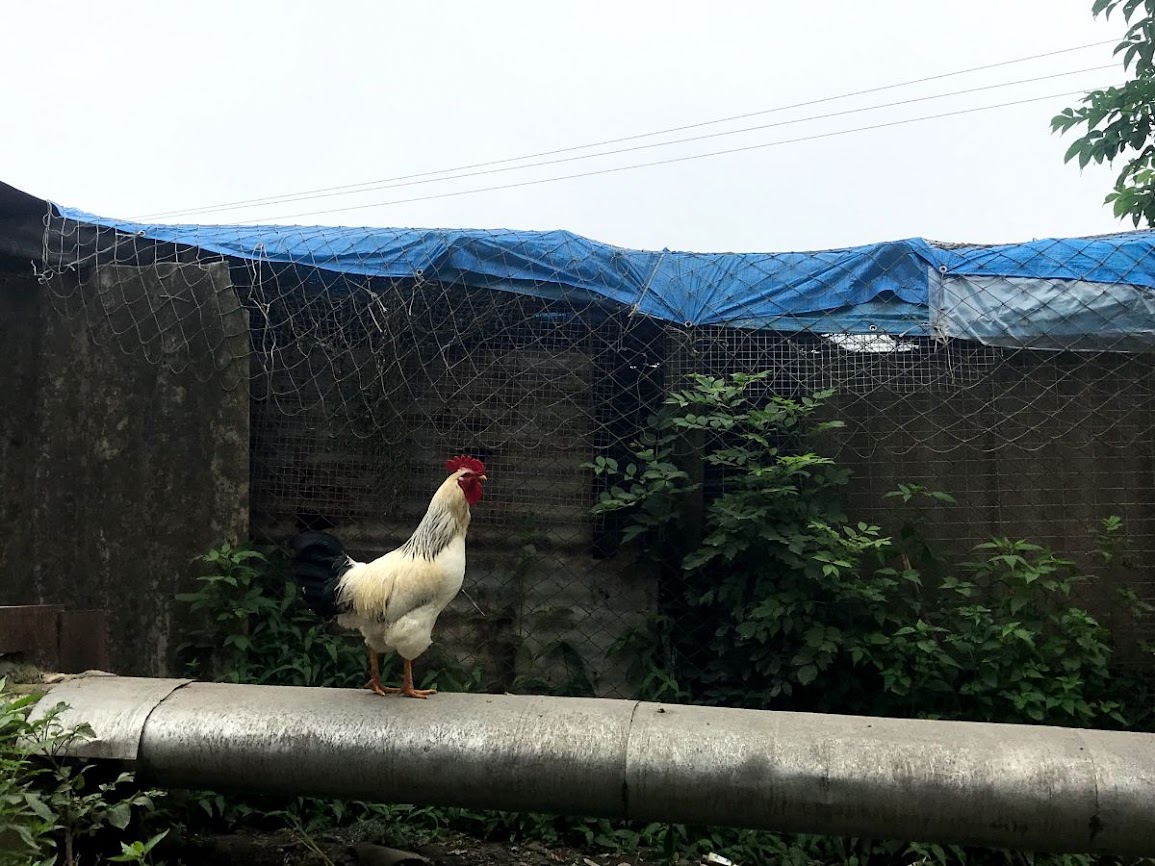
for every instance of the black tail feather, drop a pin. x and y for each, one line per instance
(318, 562)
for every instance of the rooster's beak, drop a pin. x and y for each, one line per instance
(482, 478)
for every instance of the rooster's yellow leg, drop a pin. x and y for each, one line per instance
(407, 684)
(374, 684)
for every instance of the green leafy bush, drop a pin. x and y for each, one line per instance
(51, 806)
(1003, 641)
(250, 627)
(781, 600)
(27, 822)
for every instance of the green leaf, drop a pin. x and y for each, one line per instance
(39, 807)
(26, 837)
(119, 815)
(1076, 149)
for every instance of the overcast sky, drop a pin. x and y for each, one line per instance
(132, 108)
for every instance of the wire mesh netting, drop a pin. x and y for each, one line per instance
(1034, 406)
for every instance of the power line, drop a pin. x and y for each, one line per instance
(366, 186)
(670, 161)
(653, 145)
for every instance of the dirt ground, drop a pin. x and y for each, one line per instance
(287, 848)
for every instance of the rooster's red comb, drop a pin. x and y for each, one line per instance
(464, 462)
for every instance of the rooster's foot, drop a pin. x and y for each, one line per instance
(415, 693)
(374, 685)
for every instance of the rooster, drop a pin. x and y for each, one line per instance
(395, 600)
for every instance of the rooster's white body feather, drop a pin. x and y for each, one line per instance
(394, 601)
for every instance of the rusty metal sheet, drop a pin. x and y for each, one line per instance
(33, 630)
(83, 641)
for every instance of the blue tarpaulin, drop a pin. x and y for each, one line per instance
(1089, 290)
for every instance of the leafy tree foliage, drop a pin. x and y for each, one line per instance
(1117, 121)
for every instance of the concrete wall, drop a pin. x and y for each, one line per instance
(1032, 445)
(116, 469)
(1042, 447)
(124, 452)
(538, 610)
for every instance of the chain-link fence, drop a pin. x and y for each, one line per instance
(1016, 378)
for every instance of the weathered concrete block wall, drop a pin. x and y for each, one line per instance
(116, 469)
(1043, 449)
(538, 610)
